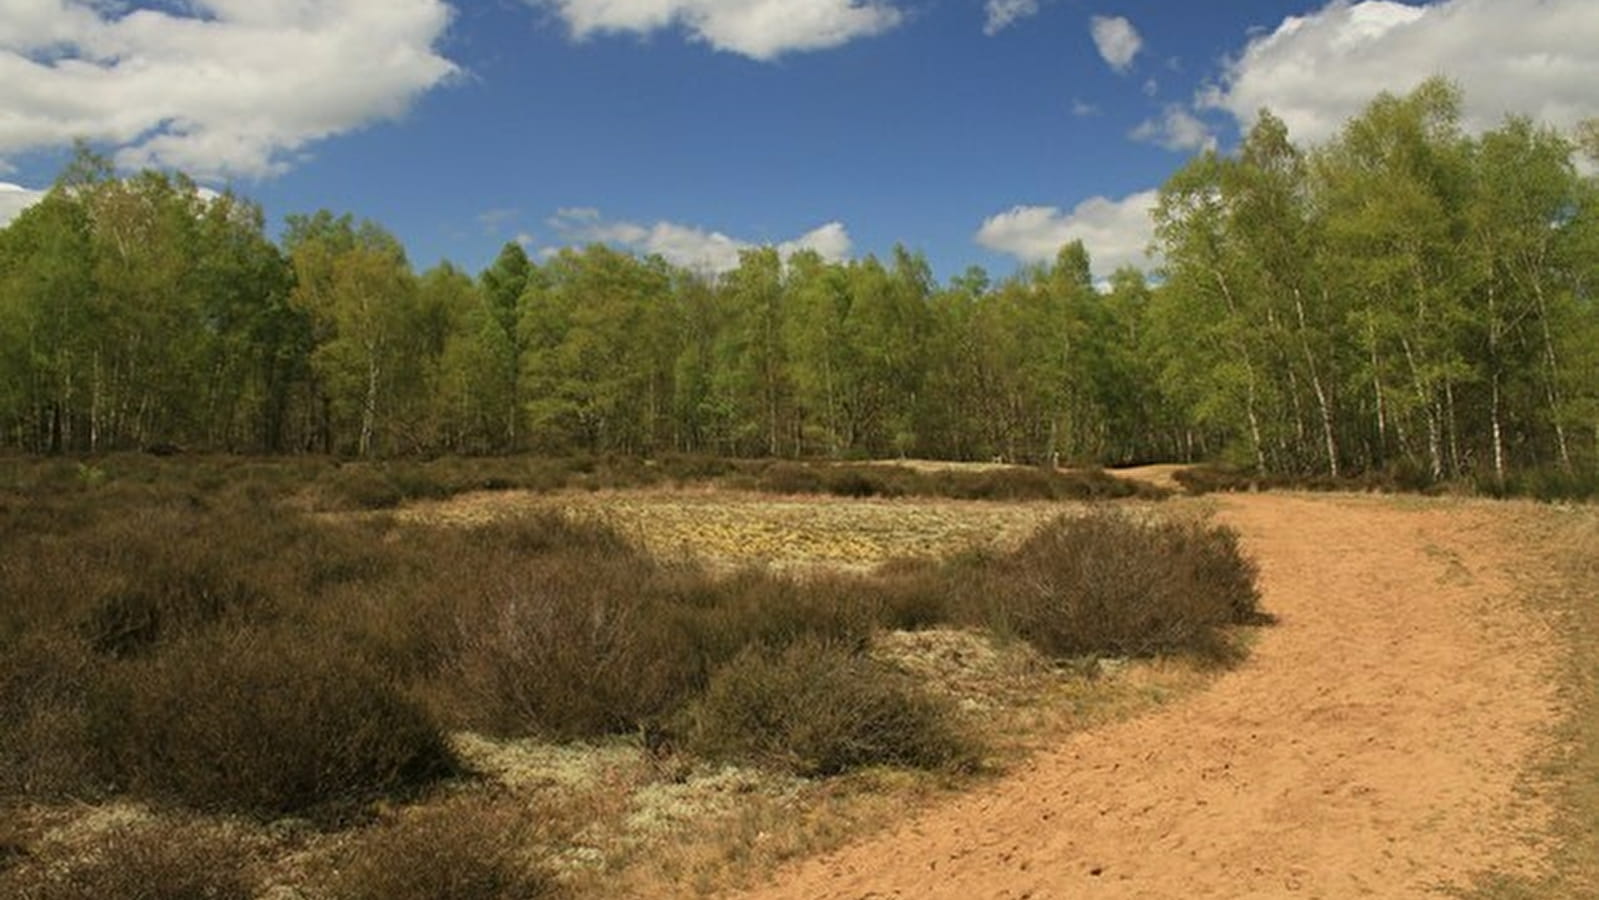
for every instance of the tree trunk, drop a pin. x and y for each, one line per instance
(1429, 410)
(1498, 433)
(1552, 379)
(1323, 402)
(369, 406)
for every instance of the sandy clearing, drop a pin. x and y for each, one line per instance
(1377, 743)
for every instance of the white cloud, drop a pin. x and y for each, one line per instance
(1538, 57)
(494, 221)
(688, 246)
(759, 29)
(1177, 130)
(1082, 108)
(227, 88)
(14, 198)
(1004, 13)
(1117, 40)
(1117, 233)
(831, 242)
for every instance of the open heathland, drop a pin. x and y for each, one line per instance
(541, 692)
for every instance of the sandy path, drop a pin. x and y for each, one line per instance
(1372, 746)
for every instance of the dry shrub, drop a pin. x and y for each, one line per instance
(756, 607)
(153, 569)
(1108, 585)
(268, 722)
(144, 861)
(1401, 477)
(564, 636)
(462, 850)
(815, 708)
(569, 647)
(47, 746)
(877, 480)
(1037, 484)
(577, 633)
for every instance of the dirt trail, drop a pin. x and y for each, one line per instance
(1373, 745)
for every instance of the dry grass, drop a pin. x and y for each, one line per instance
(732, 529)
(1566, 594)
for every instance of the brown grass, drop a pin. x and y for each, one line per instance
(1564, 593)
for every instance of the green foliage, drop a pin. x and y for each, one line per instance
(1404, 296)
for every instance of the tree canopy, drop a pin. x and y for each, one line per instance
(1406, 295)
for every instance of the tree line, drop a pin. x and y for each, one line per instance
(1406, 295)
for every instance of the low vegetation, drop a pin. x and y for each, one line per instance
(1563, 594)
(234, 639)
(815, 708)
(142, 860)
(451, 851)
(1549, 484)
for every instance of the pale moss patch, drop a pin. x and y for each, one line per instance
(979, 672)
(662, 808)
(527, 763)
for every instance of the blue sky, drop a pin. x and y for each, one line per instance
(977, 131)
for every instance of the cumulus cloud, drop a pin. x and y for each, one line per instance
(14, 198)
(223, 88)
(1537, 57)
(759, 29)
(1118, 41)
(690, 247)
(1177, 130)
(1004, 13)
(1117, 233)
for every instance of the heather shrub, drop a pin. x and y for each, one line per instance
(1016, 483)
(462, 850)
(267, 722)
(565, 629)
(1107, 584)
(142, 861)
(47, 745)
(570, 646)
(1401, 477)
(814, 708)
(789, 478)
(756, 607)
